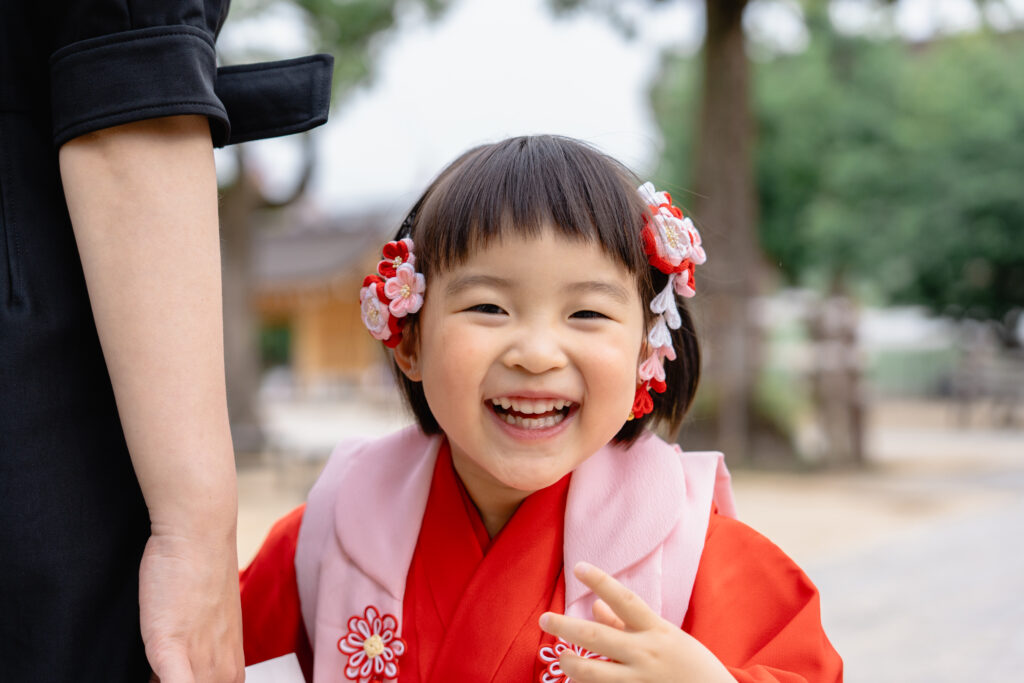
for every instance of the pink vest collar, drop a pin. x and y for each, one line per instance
(639, 513)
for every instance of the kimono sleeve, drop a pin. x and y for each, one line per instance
(271, 616)
(755, 609)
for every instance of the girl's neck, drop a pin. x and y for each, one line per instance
(496, 507)
(496, 519)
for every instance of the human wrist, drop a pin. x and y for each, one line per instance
(202, 505)
(210, 520)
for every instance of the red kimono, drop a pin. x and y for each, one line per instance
(751, 605)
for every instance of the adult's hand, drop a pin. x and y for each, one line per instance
(188, 595)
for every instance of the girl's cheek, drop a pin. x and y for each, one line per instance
(619, 355)
(612, 369)
(462, 335)
(460, 346)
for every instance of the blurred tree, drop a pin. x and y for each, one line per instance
(350, 30)
(898, 166)
(725, 208)
(894, 169)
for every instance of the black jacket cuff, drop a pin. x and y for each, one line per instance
(134, 75)
(276, 98)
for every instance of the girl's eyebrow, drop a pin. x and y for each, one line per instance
(465, 282)
(611, 289)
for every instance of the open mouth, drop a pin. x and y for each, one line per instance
(531, 413)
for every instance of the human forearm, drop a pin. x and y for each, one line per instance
(142, 199)
(143, 202)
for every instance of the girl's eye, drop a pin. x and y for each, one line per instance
(588, 315)
(490, 309)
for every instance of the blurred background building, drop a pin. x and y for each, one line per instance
(856, 168)
(308, 319)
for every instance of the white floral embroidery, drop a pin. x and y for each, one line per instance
(372, 647)
(548, 654)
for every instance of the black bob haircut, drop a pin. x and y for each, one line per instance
(520, 187)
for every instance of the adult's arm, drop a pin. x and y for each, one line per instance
(143, 202)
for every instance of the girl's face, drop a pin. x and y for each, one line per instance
(528, 355)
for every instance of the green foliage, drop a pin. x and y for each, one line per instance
(674, 100)
(350, 30)
(916, 372)
(898, 168)
(346, 29)
(275, 344)
(620, 14)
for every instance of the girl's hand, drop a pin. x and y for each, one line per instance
(641, 645)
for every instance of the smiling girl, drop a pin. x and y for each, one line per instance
(530, 526)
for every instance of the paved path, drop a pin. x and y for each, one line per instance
(942, 602)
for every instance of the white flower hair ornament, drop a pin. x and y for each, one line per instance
(394, 292)
(673, 246)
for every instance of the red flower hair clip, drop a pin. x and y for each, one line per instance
(392, 294)
(674, 247)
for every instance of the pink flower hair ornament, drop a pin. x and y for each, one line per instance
(674, 247)
(392, 294)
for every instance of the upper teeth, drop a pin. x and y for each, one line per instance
(530, 407)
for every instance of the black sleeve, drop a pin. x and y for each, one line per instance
(118, 61)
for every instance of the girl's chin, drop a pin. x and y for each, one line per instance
(528, 482)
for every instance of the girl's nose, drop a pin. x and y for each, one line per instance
(536, 351)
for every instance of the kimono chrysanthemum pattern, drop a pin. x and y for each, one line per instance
(372, 647)
(548, 654)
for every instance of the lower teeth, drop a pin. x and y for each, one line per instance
(534, 422)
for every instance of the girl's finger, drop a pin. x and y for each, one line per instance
(590, 670)
(597, 638)
(627, 605)
(603, 614)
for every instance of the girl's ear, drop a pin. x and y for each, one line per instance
(645, 347)
(407, 357)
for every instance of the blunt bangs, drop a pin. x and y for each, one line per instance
(520, 187)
